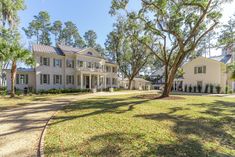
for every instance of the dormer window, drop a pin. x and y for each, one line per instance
(90, 53)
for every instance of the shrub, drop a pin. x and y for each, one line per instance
(190, 88)
(59, 91)
(199, 88)
(206, 88)
(185, 88)
(194, 89)
(228, 90)
(3, 91)
(211, 88)
(18, 92)
(218, 89)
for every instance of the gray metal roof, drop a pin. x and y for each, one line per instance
(47, 49)
(68, 49)
(223, 58)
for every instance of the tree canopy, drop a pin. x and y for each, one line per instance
(177, 27)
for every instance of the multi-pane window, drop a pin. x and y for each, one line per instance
(80, 63)
(21, 78)
(114, 69)
(57, 63)
(200, 70)
(70, 79)
(97, 65)
(108, 69)
(57, 79)
(44, 78)
(114, 81)
(45, 61)
(88, 64)
(108, 81)
(70, 63)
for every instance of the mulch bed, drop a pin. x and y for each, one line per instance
(157, 96)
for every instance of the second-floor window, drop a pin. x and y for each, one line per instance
(70, 79)
(57, 63)
(70, 63)
(89, 65)
(97, 65)
(80, 63)
(108, 69)
(45, 61)
(44, 79)
(114, 69)
(200, 70)
(21, 78)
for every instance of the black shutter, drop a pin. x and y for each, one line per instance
(17, 79)
(48, 76)
(60, 79)
(40, 78)
(72, 63)
(54, 77)
(48, 61)
(54, 62)
(40, 60)
(72, 79)
(60, 63)
(26, 79)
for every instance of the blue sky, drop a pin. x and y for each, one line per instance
(87, 14)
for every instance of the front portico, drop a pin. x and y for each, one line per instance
(95, 81)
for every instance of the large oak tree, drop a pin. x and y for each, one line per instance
(177, 26)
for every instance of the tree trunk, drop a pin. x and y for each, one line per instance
(169, 83)
(13, 77)
(130, 84)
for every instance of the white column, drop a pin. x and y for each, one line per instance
(90, 81)
(104, 81)
(98, 81)
(111, 82)
(81, 81)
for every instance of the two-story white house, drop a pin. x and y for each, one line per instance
(65, 67)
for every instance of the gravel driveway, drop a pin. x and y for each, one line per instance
(20, 128)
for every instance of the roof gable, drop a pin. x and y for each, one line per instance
(90, 52)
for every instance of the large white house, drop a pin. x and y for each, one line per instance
(65, 67)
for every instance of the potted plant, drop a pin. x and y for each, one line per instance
(199, 88)
(211, 88)
(185, 88)
(218, 89)
(195, 89)
(206, 88)
(190, 88)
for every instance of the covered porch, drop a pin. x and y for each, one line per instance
(95, 81)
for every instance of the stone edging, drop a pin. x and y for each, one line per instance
(40, 151)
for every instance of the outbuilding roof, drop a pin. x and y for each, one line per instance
(223, 58)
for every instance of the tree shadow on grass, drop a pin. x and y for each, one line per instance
(207, 128)
(117, 144)
(116, 106)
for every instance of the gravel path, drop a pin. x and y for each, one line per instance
(20, 128)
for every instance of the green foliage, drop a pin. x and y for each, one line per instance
(190, 88)
(40, 28)
(56, 29)
(177, 27)
(211, 88)
(195, 89)
(218, 89)
(90, 38)
(199, 88)
(59, 91)
(231, 68)
(206, 88)
(124, 47)
(226, 39)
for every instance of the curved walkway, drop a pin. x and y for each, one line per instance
(20, 128)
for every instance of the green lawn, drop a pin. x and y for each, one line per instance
(129, 126)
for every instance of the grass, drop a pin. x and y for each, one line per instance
(9, 103)
(129, 126)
